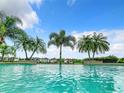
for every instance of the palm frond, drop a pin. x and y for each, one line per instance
(52, 42)
(53, 35)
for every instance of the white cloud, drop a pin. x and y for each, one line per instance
(71, 2)
(117, 48)
(37, 2)
(53, 52)
(21, 9)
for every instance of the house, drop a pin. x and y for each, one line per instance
(44, 60)
(36, 59)
(16, 59)
(53, 60)
(68, 61)
(11, 59)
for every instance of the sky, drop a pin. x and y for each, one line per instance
(76, 17)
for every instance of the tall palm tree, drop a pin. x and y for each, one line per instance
(38, 45)
(60, 39)
(8, 26)
(100, 44)
(24, 42)
(96, 43)
(85, 45)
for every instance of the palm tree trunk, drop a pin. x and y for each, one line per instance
(60, 54)
(14, 54)
(89, 56)
(93, 55)
(26, 53)
(33, 53)
(1, 40)
(2, 59)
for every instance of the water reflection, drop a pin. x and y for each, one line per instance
(90, 82)
(60, 79)
(95, 82)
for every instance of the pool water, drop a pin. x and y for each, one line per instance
(64, 79)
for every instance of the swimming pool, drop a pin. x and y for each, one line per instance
(65, 79)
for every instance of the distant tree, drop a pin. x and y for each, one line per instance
(100, 44)
(60, 39)
(93, 44)
(6, 50)
(38, 45)
(85, 44)
(24, 42)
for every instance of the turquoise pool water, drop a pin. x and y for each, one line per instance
(65, 79)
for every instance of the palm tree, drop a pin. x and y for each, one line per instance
(2, 31)
(38, 45)
(2, 28)
(100, 44)
(3, 50)
(85, 45)
(24, 42)
(60, 39)
(93, 44)
(8, 26)
(6, 50)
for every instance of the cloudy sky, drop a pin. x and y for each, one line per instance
(77, 17)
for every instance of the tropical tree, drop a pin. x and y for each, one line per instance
(8, 26)
(24, 42)
(85, 44)
(100, 44)
(38, 45)
(60, 39)
(93, 44)
(2, 28)
(7, 50)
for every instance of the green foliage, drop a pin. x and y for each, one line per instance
(6, 50)
(108, 59)
(2, 29)
(100, 44)
(24, 42)
(85, 44)
(93, 44)
(78, 61)
(38, 46)
(8, 25)
(60, 39)
(121, 60)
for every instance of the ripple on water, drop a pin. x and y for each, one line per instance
(68, 79)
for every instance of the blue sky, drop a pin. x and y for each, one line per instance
(81, 15)
(77, 17)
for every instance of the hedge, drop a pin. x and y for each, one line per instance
(121, 60)
(108, 59)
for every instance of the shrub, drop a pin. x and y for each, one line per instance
(121, 60)
(78, 61)
(108, 59)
